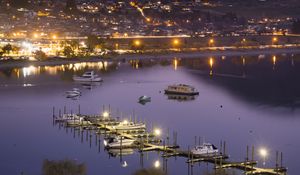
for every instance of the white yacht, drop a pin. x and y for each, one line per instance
(125, 125)
(205, 149)
(181, 89)
(88, 77)
(118, 142)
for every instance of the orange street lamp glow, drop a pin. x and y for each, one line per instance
(137, 43)
(176, 42)
(275, 39)
(35, 35)
(211, 41)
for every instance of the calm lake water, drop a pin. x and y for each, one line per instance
(242, 100)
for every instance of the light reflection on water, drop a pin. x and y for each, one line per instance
(260, 102)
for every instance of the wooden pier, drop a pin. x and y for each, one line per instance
(104, 125)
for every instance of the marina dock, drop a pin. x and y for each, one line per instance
(147, 141)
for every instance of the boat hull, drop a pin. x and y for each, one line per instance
(80, 79)
(125, 144)
(127, 128)
(204, 153)
(181, 93)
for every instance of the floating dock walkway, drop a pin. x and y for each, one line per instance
(104, 125)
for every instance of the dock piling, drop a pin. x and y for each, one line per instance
(53, 112)
(247, 153)
(79, 109)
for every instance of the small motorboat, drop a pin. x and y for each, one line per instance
(144, 99)
(73, 93)
(205, 149)
(88, 77)
(181, 89)
(118, 142)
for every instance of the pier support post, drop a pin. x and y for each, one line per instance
(91, 140)
(247, 153)
(53, 112)
(276, 160)
(281, 160)
(99, 146)
(79, 109)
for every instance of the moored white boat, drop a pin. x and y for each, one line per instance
(205, 149)
(125, 125)
(118, 142)
(88, 77)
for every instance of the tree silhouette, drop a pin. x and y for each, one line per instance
(7, 48)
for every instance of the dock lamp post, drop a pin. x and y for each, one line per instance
(105, 114)
(264, 153)
(157, 132)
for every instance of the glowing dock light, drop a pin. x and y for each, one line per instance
(125, 122)
(105, 114)
(157, 132)
(264, 153)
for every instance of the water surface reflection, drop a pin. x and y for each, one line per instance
(249, 88)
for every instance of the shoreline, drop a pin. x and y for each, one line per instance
(160, 55)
